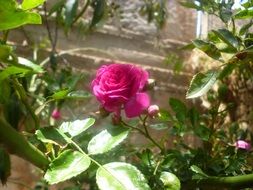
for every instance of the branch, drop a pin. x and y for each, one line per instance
(18, 145)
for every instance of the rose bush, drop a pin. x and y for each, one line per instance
(120, 86)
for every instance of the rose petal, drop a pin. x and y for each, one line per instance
(136, 105)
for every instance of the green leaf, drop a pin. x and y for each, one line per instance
(30, 4)
(60, 94)
(36, 68)
(13, 70)
(67, 165)
(100, 7)
(227, 37)
(107, 140)
(13, 17)
(197, 170)
(78, 94)
(120, 176)
(76, 127)
(51, 135)
(159, 126)
(201, 83)
(5, 51)
(70, 12)
(245, 28)
(170, 181)
(190, 4)
(244, 14)
(210, 49)
(203, 132)
(5, 165)
(179, 108)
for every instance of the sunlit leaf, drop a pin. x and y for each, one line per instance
(106, 140)
(76, 127)
(67, 165)
(30, 4)
(244, 14)
(170, 181)
(36, 68)
(5, 51)
(120, 176)
(13, 17)
(201, 83)
(13, 70)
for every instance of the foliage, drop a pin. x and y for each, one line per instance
(30, 89)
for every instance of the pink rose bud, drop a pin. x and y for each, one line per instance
(243, 145)
(56, 114)
(153, 110)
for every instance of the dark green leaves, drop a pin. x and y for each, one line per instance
(201, 83)
(106, 140)
(100, 8)
(120, 176)
(67, 165)
(227, 37)
(13, 17)
(70, 12)
(210, 49)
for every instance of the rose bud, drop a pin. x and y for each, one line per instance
(121, 86)
(241, 144)
(56, 114)
(153, 110)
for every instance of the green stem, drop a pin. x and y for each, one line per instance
(146, 134)
(82, 11)
(18, 145)
(23, 97)
(240, 181)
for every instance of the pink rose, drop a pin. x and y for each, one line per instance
(56, 114)
(119, 86)
(243, 145)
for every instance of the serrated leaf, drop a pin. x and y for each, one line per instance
(170, 181)
(120, 176)
(244, 14)
(201, 83)
(36, 68)
(13, 17)
(76, 127)
(107, 140)
(227, 37)
(30, 4)
(210, 49)
(67, 165)
(51, 135)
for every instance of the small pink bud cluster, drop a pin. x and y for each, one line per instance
(153, 110)
(56, 114)
(241, 144)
